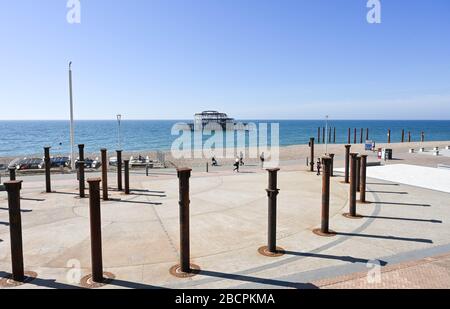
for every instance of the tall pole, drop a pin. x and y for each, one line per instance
(326, 130)
(72, 139)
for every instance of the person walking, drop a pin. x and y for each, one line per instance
(236, 165)
(261, 158)
(241, 159)
(319, 166)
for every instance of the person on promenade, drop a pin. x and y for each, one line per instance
(241, 159)
(261, 158)
(319, 166)
(236, 165)
(214, 161)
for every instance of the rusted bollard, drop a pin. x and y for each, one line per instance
(354, 136)
(367, 134)
(48, 185)
(318, 134)
(324, 227)
(352, 198)
(12, 173)
(334, 135)
(127, 176)
(207, 167)
(348, 136)
(409, 136)
(15, 227)
(347, 163)
(363, 178)
(361, 136)
(119, 170)
(272, 191)
(422, 138)
(96, 229)
(403, 135)
(358, 173)
(389, 136)
(81, 170)
(311, 146)
(332, 165)
(323, 136)
(185, 268)
(329, 135)
(104, 173)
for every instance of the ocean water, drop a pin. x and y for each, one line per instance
(21, 138)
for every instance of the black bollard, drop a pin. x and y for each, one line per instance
(358, 173)
(352, 199)
(367, 134)
(324, 228)
(96, 230)
(127, 176)
(15, 227)
(311, 146)
(389, 136)
(334, 135)
(272, 192)
(323, 136)
(48, 186)
(422, 137)
(348, 136)
(409, 136)
(12, 173)
(332, 165)
(403, 135)
(354, 136)
(363, 177)
(119, 170)
(104, 173)
(361, 136)
(81, 170)
(318, 134)
(347, 163)
(207, 167)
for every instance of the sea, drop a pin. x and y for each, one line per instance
(25, 138)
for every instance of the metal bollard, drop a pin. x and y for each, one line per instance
(409, 136)
(185, 268)
(363, 177)
(324, 228)
(207, 167)
(81, 170)
(389, 136)
(367, 134)
(422, 137)
(323, 136)
(12, 173)
(403, 135)
(272, 192)
(352, 198)
(318, 134)
(332, 165)
(96, 229)
(104, 173)
(329, 135)
(311, 145)
(361, 136)
(348, 136)
(334, 135)
(119, 170)
(146, 170)
(48, 186)
(127, 176)
(15, 227)
(354, 136)
(347, 163)
(358, 173)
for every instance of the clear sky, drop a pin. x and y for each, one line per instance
(266, 59)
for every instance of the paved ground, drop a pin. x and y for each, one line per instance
(228, 224)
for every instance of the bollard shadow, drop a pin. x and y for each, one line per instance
(347, 258)
(65, 193)
(134, 285)
(46, 283)
(140, 202)
(22, 210)
(382, 184)
(144, 194)
(4, 223)
(32, 199)
(387, 192)
(421, 240)
(402, 204)
(404, 219)
(147, 191)
(275, 282)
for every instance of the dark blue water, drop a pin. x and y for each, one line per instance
(19, 138)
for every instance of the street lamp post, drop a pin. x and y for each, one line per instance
(72, 158)
(119, 119)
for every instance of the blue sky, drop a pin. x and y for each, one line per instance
(167, 59)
